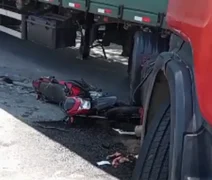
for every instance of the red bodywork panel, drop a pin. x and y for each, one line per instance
(192, 19)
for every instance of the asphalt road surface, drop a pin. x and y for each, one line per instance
(30, 152)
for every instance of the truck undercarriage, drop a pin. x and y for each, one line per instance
(26, 20)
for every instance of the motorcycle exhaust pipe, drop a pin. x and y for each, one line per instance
(136, 131)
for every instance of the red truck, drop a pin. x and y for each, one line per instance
(175, 34)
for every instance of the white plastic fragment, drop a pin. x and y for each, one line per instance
(101, 163)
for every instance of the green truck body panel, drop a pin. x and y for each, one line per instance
(150, 12)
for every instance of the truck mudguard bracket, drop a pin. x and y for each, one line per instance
(120, 11)
(161, 18)
(87, 5)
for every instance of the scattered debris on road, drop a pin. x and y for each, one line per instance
(6, 79)
(102, 163)
(117, 158)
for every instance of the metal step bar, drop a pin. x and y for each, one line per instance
(11, 32)
(13, 15)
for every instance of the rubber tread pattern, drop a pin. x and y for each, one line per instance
(154, 153)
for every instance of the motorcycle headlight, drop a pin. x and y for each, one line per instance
(85, 104)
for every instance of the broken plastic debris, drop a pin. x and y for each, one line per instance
(6, 79)
(119, 158)
(101, 163)
(116, 154)
(124, 132)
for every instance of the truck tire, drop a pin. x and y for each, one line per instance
(146, 46)
(153, 160)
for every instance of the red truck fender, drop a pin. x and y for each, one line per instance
(195, 26)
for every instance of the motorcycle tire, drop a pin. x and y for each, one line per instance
(123, 113)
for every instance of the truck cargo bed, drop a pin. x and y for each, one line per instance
(149, 12)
